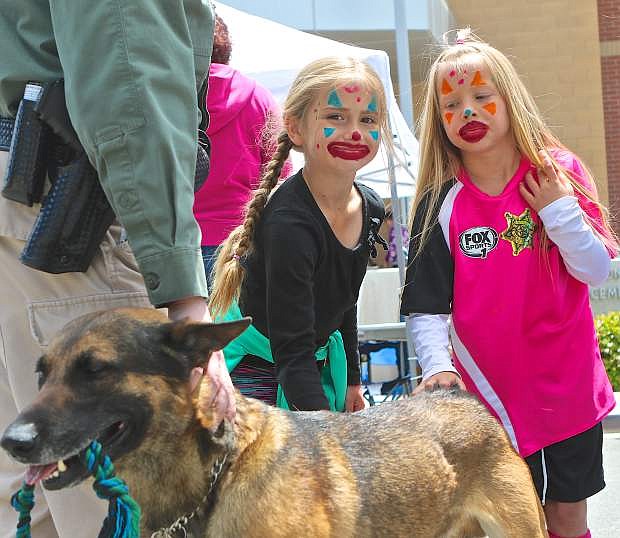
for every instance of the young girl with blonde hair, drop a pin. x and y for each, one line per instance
(297, 262)
(507, 233)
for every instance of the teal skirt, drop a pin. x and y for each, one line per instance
(332, 354)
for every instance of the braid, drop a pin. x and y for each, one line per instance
(228, 269)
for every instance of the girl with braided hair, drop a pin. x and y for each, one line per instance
(297, 262)
(242, 114)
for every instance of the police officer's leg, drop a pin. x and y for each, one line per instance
(11, 473)
(36, 305)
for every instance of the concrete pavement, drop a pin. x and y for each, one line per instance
(611, 424)
(603, 512)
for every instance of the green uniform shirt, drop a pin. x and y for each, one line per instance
(131, 73)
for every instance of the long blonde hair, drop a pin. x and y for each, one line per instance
(315, 77)
(440, 160)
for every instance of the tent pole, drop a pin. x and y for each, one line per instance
(400, 255)
(402, 61)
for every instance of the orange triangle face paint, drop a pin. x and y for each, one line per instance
(449, 116)
(491, 107)
(446, 88)
(478, 80)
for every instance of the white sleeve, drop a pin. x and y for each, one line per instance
(585, 256)
(429, 334)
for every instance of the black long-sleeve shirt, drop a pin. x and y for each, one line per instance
(302, 284)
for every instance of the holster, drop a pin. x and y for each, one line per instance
(75, 214)
(25, 172)
(73, 220)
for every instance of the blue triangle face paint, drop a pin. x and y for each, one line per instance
(374, 134)
(328, 131)
(372, 106)
(334, 100)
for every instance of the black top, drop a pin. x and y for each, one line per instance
(430, 272)
(302, 284)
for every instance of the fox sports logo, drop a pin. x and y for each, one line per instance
(477, 242)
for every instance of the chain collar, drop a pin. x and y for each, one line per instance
(181, 524)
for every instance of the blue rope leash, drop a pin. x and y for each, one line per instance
(123, 519)
(23, 501)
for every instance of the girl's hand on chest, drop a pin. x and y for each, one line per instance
(550, 186)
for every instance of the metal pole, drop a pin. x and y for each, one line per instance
(403, 66)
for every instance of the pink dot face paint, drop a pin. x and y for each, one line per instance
(352, 88)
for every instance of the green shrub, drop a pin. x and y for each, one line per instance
(608, 331)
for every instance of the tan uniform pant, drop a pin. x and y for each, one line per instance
(34, 305)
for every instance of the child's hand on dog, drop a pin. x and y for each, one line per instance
(354, 400)
(442, 380)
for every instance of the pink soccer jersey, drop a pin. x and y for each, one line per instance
(522, 331)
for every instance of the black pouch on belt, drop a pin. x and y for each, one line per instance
(73, 220)
(26, 167)
(75, 213)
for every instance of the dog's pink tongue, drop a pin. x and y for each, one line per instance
(35, 473)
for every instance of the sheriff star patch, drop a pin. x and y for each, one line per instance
(520, 231)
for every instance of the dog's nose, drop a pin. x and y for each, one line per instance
(19, 439)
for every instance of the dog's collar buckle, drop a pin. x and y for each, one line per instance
(179, 527)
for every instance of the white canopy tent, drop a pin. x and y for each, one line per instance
(273, 54)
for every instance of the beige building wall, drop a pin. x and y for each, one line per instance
(554, 44)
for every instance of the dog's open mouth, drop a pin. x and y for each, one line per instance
(71, 469)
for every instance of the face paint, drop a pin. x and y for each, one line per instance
(453, 72)
(353, 88)
(446, 88)
(467, 112)
(334, 100)
(372, 106)
(328, 131)
(473, 131)
(461, 81)
(449, 116)
(348, 152)
(491, 107)
(478, 80)
(374, 134)
(356, 136)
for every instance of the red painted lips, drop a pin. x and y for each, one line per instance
(474, 131)
(349, 152)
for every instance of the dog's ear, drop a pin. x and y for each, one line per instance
(200, 339)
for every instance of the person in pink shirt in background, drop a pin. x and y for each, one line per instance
(507, 234)
(243, 117)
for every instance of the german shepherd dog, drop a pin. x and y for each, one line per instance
(434, 465)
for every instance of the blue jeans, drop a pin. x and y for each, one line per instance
(208, 258)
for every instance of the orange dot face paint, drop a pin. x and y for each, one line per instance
(449, 116)
(491, 108)
(446, 88)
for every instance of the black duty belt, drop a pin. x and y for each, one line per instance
(6, 133)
